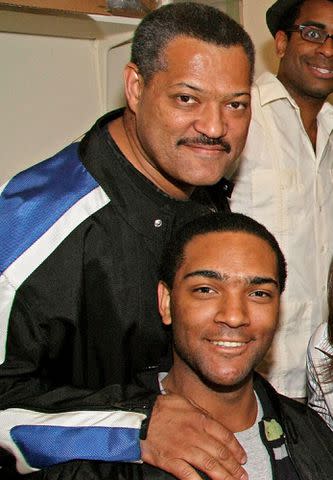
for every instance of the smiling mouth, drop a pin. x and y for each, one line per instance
(228, 344)
(322, 70)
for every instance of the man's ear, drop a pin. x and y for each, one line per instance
(281, 42)
(133, 85)
(163, 294)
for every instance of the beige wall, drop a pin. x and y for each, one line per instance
(48, 83)
(254, 21)
(53, 82)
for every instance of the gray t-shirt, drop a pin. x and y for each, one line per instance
(258, 465)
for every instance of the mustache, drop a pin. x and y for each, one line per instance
(321, 62)
(205, 140)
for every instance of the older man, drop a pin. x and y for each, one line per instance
(80, 245)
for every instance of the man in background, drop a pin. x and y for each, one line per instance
(81, 240)
(285, 179)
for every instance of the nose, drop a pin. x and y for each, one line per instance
(232, 311)
(326, 48)
(211, 121)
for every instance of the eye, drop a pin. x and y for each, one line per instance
(260, 294)
(314, 34)
(203, 290)
(237, 105)
(186, 99)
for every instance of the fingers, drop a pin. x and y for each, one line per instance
(182, 439)
(228, 446)
(184, 471)
(198, 459)
(214, 458)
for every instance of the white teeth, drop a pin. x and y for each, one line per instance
(323, 70)
(229, 344)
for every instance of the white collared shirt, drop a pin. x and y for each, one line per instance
(320, 391)
(284, 184)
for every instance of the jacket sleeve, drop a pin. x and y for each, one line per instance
(44, 420)
(43, 423)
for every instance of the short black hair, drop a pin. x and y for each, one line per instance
(173, 255)
(186, 19)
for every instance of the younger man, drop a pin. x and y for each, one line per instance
(221, 282)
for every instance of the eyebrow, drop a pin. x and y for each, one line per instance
(256, 280)
(311, 23)
(198, 89)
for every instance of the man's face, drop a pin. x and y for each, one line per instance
(306, 68)
(192, 117)
(223, 307)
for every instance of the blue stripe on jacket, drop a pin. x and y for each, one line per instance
(37, 197)
(43, 446)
